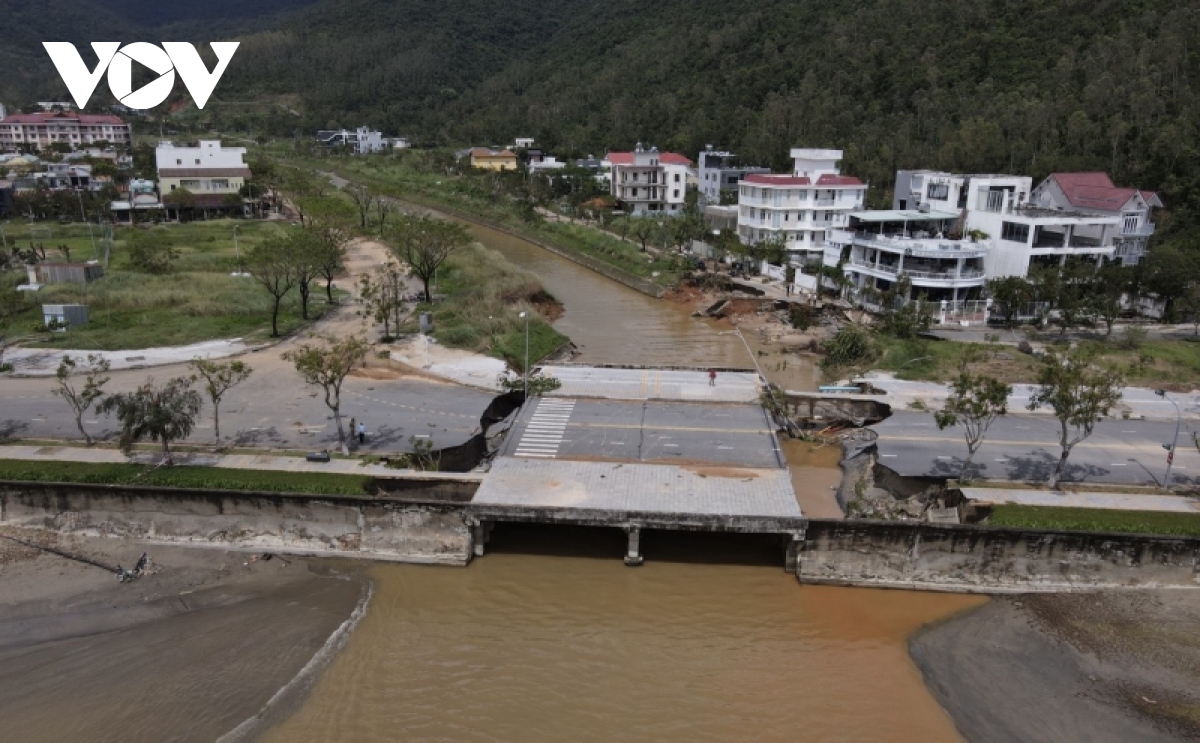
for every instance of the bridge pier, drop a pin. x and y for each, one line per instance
(792, 550)
(481, 531)
(633, 551)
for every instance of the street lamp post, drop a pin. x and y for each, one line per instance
(1175, 442)
(525, 316)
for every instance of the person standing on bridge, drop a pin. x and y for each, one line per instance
(712, 377)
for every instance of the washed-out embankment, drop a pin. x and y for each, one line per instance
(429, 520)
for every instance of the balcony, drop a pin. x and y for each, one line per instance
(825, 201)
(971, 277)
(1142, 230)
(914, 246)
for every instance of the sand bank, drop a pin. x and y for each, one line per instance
(188, 652)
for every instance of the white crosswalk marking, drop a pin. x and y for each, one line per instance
(545, 429)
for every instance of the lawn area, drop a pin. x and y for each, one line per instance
(483, 296)
(209, 478)
(1094, 519)
(196, 300)
(396, 176)
(1170, 364)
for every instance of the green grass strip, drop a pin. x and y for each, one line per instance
(205, 478)
(1095, 519)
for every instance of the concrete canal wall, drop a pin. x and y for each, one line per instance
(990, 559)
(403, 529)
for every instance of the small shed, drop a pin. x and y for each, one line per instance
(65, 315)
(64, 273)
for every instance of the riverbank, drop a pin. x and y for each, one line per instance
(1113, 666)
(191, 650)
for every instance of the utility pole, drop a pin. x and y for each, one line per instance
(1174, 443)
(525, 316)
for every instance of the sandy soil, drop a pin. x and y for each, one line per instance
(1119, 666)
(188, 652)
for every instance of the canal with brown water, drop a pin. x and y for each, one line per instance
(549, 637)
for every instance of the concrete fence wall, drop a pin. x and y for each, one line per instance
(386, 529)
(990, 559)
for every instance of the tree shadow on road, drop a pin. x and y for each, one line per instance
(1038, 466)
(9, 429)
(259, 437)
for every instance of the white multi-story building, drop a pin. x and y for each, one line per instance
(648, 181)
(801, 207)
(719, 174)
(360, 141)
(212, 173)
(997, 207)
(1095, 194)
(38, 130)
(877, 247)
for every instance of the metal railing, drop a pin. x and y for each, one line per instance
(966, 275)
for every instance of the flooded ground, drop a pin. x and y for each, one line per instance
(551, 638)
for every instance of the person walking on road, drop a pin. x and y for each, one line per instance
(362, 433)
(712, 377)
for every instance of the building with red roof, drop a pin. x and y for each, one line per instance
(1094, 194)
(41, 129)
(647, 181)
(799, 208)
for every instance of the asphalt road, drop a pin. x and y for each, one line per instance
(273, 410)
(1025, 447)
(635, 431)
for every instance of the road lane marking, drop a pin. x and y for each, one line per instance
(889, 456)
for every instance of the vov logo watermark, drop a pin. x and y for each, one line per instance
(171, 57)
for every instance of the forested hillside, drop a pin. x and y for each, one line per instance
(1027, 86)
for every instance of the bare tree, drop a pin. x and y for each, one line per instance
(384, 208)
(270, 264)
(95, 376)
(331, 221)
(424, 244)
(1079, 393)
(975, 402)
(382, 293)
(219, 378)
(160, 413)
(363, 199)
(326, 363)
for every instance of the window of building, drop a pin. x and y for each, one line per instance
(179, 162)
(937, 191)
(197, 161)
(220, 183)
(677, 178)
(190, 184)
(676, 193)
(1014, 232)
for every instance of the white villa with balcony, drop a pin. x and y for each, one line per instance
(801, 207)
(649, 182)
(1022, 235)
(878, 247)
(1094, 194)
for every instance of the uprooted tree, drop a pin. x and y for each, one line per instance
(162, 413)
(975, 401)
(1080, 393)
(94, 371)
(325, 363)
(219, 377)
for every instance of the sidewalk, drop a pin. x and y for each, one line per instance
(1140, 402)
(43, 362)
(97, 455)
(1105, 501)
(449, 364)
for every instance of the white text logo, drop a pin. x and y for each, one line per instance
(118, 60)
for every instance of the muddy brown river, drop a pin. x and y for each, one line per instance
(613, 324)
(571, 645)
(549, 637)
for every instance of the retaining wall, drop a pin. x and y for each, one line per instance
(991, 559)
(402, 530)
(862, 410)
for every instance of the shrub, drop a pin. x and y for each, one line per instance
(851, 346)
